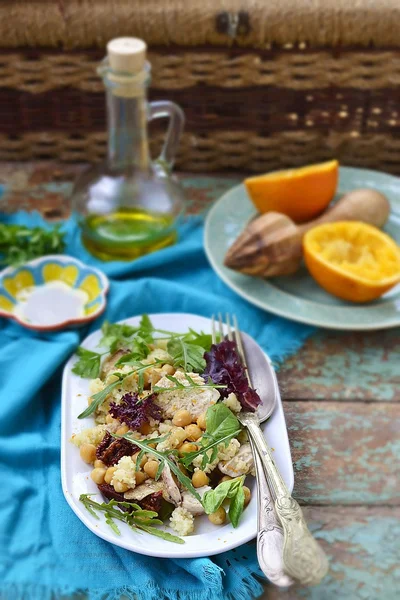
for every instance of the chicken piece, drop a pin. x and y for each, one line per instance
(241, 464)
(144, 489)
(171, 491)
(196, 401)
(191, 504)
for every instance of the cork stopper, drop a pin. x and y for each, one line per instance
(127, 55)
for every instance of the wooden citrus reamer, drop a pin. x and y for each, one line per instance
(271, 244)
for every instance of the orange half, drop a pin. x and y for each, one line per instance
(301, 194)
(352, 260)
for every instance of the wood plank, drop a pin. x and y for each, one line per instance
(345, 453)
(362, 546)
(342, 366)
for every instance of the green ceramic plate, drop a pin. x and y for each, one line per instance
(299, 297)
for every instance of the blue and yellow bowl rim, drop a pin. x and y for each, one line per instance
(57, 267)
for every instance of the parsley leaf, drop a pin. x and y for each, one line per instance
(116, 335)
(88, 364)
(186, 355)
(19, 244)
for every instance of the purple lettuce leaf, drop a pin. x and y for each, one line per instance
(224, 367)
(135, 411)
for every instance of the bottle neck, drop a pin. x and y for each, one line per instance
(127, 131)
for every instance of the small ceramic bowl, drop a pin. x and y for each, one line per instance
(52, 292)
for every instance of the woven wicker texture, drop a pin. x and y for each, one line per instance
(256, 23)
(221, 151)
(263, 84)
(37, 72)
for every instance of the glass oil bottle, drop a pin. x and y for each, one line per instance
(130, 206)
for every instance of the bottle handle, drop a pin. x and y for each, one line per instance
(161, 109)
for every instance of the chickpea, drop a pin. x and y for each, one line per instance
(140, 477)
(88, 453)
(247, 495)
(150, 468)
(98, 464)
(193, 432)
(177, 437)
(155, 376)
(199, 479)
(109, 474)
(226, 478)
(167, 370)
(187, 447)
(181, 418)
(218, 517)
(145, 429)
(120, 487)
(98, 475)
(122, 430)
(201, 421)
(111, 421)
(143, 459)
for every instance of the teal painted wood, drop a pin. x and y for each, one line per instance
(363, 551)
(345, 450)
(345, 453)
(343, 366)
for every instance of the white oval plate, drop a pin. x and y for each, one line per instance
(207, 539)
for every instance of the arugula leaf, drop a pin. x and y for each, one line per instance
(88, 364)
(146, 327)
(199, 339)
(192, 385)
(232, 489)
(165, 459)
(188, 356)
(135, 517)
(221, 427)
(98, 399)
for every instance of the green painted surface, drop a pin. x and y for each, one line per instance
(345, 450)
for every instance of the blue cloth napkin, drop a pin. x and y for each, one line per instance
(45, 551)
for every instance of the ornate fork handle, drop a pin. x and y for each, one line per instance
(270, 533)
(303, 558)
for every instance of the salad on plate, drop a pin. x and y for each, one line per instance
(165, 445)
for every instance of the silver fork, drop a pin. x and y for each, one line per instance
(303, 558)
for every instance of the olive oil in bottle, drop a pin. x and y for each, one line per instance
(130, 206)
(127, 233)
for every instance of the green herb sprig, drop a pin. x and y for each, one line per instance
(167, 457)
(100, 397)
(221, 427)
(19, 244)
(137, 518)
(191, 385)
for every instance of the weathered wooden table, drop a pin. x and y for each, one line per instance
(341, 396)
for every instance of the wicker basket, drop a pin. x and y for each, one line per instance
(265, 86)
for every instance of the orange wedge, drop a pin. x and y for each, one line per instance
(301, 194)
(352, 260)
